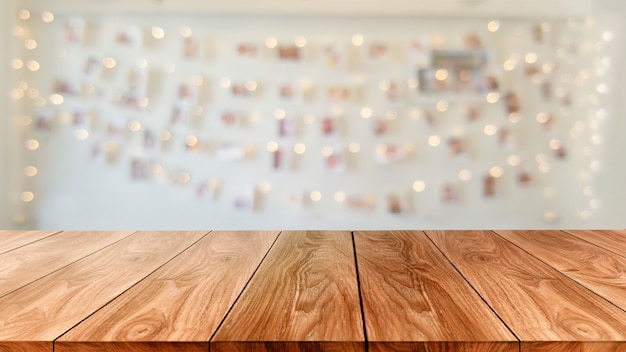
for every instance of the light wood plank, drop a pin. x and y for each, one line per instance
(304, 297)
(412, 296)
(10, 240)
(537, 302)
(613, 240)
(595, 268)
(45, 309)
(26, 264)
(184, 301)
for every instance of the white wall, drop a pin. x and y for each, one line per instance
(7, 143)
(73, 191)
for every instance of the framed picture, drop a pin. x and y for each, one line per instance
(334, 56)
(245, 198)
(74, 31)
(454, 72)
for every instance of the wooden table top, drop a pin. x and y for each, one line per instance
(300, 291)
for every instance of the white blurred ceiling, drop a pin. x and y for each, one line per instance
(446, 8)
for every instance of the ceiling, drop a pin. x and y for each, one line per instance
(447, 8)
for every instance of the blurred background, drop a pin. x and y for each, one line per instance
(162, 114)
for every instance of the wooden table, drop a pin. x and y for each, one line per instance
(336, 291)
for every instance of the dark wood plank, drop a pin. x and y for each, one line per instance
(26, 264)
(412, 296)
(536, 301)
(45, 309)
(10, 240)
(613, 240)
(304, 297)
(573, 346)
(178, 307)
(597, 269)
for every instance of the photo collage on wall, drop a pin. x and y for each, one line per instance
(340, 107)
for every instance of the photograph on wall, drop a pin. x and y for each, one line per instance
(93, 68)
(127, 36)
(208, 189)
(288, 127)
(66, 86)
(290, 52)
(392, 91)
(244, 89)
(457, 149)
(247, 50)
(44, 119)
(449, 193)
(334, 159)
(338, 93)
(360, 201)
(180, 115)
(225, 118)
(136, 88)
(188, 92)
(396, 203)
(138, 169)
(334, 56)
(375, 51)
(489, 186)
(454, 72)
(419, 53)
(289, 91)
(329, 126)
(192, 48)
(279, 157)
(245, 198)
(73, 31)
(389, 153)
(149, 140)
(380, 126)
(81, 117)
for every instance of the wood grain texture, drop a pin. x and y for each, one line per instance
(10, 240)
(573, 346)
(537, 302)
(183, 301)
(288, 346)
(597, 269)
(47, 308)
(144, 346)
(411, 293)
(613, 240)
(24, 346)
(26, 264)
(456, 346)
(304, 297)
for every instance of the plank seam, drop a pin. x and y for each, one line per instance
(131, 286)
(519, 341)
(358, 283)
(29, 243)
(242, 290)
(65, 266)
(595, 244)
(561, 273)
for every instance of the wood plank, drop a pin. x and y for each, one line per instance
(538, 303)
(45, 309)
(412, 296)
(10, 240)
(179, 307)
(26, 264)
(597, 269)
(613, 240)
(304, 297)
